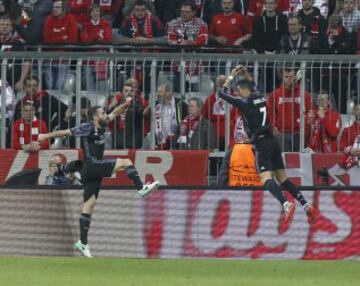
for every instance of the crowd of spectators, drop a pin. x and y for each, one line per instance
(268, 26)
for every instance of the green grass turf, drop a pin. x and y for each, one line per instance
(48, 271)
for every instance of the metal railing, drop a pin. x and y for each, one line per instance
(100, 75)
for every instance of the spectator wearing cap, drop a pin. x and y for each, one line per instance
(59, 29)
(96, 31)
(25, 131)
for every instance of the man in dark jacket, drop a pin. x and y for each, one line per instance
(196, 132)
(32, 32)
(314, 24)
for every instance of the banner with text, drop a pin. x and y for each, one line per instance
(168, 167)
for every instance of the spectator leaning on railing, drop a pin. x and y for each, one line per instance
(25, 131)
(322, 126)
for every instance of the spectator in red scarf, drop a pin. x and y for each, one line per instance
(196, 132)
(340, 40)
(349, 134)
(230, 27)
(47, 107)
(284, 111)
(96, 31)
(141, 27)
(80, 10)
(127, 129)
(350, 141)
(187, 29)
(25, 131)
(169, 113)
(323, 126)
(60, 28)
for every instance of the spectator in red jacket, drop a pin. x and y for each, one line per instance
(349, 134)
(80, 10)
(323, 126)
(284, 111)
(187, 29)
(25, 131)
(59, 29)
(230, 27)
(96, 31)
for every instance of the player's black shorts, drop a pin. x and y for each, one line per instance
(92, 174)
(268, 154)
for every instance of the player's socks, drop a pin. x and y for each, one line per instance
(85, 220)
(294, 191)
(133, 175)
(275, 190)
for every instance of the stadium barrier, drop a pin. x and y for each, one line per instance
(186, 168)
(183, 223)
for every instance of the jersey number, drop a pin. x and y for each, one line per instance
(264, 112)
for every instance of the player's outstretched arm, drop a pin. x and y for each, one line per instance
(55, 134)
(119, 109)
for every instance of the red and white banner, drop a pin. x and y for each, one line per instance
(246, 224)
(168, 167)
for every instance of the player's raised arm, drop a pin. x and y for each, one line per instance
(55, 134)
(238, 102)
(119, 109)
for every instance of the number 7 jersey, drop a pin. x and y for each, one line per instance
(254, 109)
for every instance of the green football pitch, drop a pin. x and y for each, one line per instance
(47, 271)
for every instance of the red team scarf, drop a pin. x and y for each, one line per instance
(350, 160)
(147, 28)
(319, 141)
(105, 5)
(34, 131)
(188, 127)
